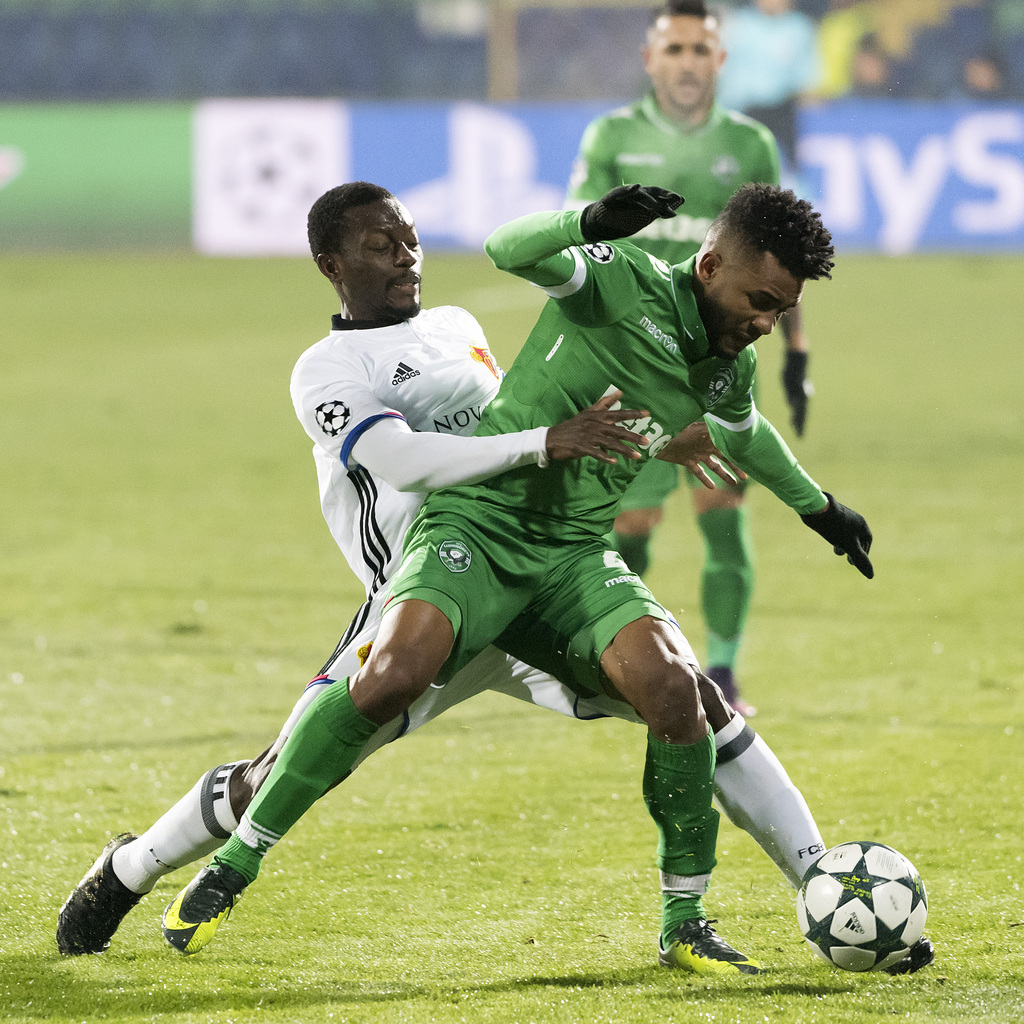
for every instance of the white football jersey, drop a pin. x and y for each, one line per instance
(435, 371)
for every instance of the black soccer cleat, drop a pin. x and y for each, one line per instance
(695, 947)
(921, 954)
(192, 918)
(98, 904)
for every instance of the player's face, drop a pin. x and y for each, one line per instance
(683, 57)
(377, 269)
(741, 299)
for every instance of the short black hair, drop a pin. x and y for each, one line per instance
(683, 8)
(324, 224)
(766, 218)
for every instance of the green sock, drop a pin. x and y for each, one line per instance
(678, 786)
(675, 909)
(319, 753)
(635, 550)
(727, 583)
(721, 652)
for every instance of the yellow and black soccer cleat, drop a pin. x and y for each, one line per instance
(192, 918)
(695, 947)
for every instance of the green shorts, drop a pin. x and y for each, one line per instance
(555, 604)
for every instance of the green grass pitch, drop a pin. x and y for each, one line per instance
(167, 586)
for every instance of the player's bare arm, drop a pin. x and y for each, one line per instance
(595, 432)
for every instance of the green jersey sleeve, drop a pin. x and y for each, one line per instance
(534, 247)
(549, 250)
(755, 445)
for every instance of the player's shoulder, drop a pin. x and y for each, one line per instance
(453, 317)
(336, 349)
(626, 112)
(741, 124)
(356, 356)
(613, 123)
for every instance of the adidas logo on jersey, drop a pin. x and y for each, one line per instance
(404, 373)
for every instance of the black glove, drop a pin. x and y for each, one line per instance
(797, 388)
(625, 210)
(847, 532)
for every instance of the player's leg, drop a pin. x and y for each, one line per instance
(412, 645)
(438, 605)
(622, 641)
(641, 511)
(197, 825)
(632, 536)
(752, 786)
(413, 642)
(756, 792)
(727, 582)
(650, 670)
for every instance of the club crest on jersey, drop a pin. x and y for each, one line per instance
(332, 417)
(719, 384)
(725, 167)
(600, 252)
(455, 555)
(483, 355)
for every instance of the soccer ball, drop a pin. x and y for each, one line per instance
(862, 906)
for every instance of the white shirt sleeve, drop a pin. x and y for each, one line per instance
(411, 461)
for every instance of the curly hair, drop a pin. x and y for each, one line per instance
(766, 218)
(325, 224)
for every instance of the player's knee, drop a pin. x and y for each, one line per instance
(671, 704)
(638, 522)
(716, 707)
(245, 780)
(386, 685)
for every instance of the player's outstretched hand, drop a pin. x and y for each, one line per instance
(797, 387)
(625, 210)
(594, 432)
(847, 531)
(694, 449)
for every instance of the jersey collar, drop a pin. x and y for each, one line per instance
(649, 105)
(696, 346)
(339, 323)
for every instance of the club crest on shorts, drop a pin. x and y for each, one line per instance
(719, 384)
(600, 252)
(455, 555)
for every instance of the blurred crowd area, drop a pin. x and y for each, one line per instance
(55, 50)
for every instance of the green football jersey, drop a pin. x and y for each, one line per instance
(618, 319)
(705, 165)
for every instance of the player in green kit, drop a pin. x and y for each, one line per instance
(521, 560)
(679, 138)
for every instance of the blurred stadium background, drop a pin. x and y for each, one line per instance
(213, 123)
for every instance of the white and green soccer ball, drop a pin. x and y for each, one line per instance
(862, 906)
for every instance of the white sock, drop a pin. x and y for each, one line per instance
(193, 828)
(758, 796)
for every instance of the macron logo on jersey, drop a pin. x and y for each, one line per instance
(668, 341)
(403, 373)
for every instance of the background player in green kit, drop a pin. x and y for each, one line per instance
(521, 560)
(679, 138)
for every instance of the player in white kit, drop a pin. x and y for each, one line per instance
(390, 398)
